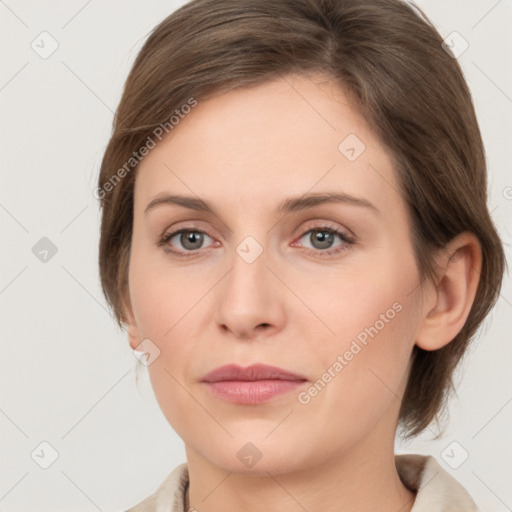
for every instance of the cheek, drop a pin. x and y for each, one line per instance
(360, 382)
(362, 362)
(168, 309)
(163, 296)
(367, 300)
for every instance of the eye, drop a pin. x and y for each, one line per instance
(322, 240)
(189, 239)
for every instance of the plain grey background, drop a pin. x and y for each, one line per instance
(67, 373)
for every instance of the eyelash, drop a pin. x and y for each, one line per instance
(345, 237)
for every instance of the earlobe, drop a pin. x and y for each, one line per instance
(451, 297)
(131, 325)
(133, 337)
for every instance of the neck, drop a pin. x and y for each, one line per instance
(359, 482)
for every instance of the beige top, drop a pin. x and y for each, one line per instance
(436, 490)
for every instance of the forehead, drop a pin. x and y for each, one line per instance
(293, 135)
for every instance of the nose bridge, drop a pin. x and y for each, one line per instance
(248, 278)
(248, 296)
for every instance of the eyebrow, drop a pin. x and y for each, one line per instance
(291, 204)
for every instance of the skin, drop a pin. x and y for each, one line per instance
(244, 152)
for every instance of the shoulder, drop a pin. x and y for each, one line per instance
(436, 490)
(169, 496)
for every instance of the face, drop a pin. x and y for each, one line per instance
(271, 272)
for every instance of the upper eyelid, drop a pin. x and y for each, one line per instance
(318, 226)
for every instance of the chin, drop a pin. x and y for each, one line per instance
(258, 457)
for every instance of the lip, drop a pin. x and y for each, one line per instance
(252, 385)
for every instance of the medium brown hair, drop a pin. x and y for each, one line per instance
(389, 58)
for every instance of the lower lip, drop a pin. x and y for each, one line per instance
(252, 392)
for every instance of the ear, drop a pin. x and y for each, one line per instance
(131, 325)
(448, 301)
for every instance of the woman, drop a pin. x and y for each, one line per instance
(295, 235)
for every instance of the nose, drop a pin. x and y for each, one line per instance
(250, 299)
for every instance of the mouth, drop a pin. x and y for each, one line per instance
(252, 385)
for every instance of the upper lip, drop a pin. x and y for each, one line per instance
(250, 373)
